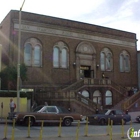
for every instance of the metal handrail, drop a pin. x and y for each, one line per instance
(130, 101)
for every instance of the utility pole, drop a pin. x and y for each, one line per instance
(18, 63)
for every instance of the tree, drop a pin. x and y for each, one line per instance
(9, 76)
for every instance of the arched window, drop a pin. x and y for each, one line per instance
(108, 97)
(33, 52)
(27, 54)
(37, 55)
(64, 58)
(124, 62)
(106, 61)
(121, 63)
(85, 93)
(56, 57)
(60, 55)
(102, 61)
(97, 97)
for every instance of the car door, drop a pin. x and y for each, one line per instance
(112, 115)
(48, 114)
(119, 116)
(52, 114)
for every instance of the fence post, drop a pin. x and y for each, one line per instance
(13, 130)
(108, 126)
(111, 129)
(60, 128)
(5, 130)
(29, 127)
(122, 128)
(77, 131)
(86, 127)
(41, 130)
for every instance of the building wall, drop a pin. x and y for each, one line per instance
(138, 57)
(5, 40)
(49, 30)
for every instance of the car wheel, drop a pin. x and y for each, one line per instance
(26, 121)
(102, 122)
(67, 122)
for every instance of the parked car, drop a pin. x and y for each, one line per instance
(138, 118)
(103, 117)
(37, 108)
(51, 114)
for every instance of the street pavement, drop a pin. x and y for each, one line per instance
(77, 136)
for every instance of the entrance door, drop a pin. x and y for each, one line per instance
(85, 72)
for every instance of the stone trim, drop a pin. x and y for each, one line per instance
(74, 35)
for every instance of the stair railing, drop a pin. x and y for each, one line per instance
(90, 81)
(74, 86)
(128, 103)
(74, 95)
(86, 101)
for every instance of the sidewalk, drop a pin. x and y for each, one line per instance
(89, 137)
(96, 137)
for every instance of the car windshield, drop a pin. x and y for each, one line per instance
(103, 111)
(38, 108)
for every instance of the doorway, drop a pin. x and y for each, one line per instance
(85, 72)
(85, 60)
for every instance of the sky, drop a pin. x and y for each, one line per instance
(117, 14)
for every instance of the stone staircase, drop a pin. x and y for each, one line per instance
(83, 102)
(71, 99)
(69, 96)
(131, 101)
(73, 86)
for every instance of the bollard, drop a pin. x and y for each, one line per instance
(77, 131)
(131, 123)
(13, 130)
(108, 126)
(29, 127)
(41, 131)
(86, 128)
(5, 130)
(60, 128)
(122, 128)
(111, 129)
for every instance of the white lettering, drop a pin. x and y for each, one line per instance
(73, 35)
(136, 134)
